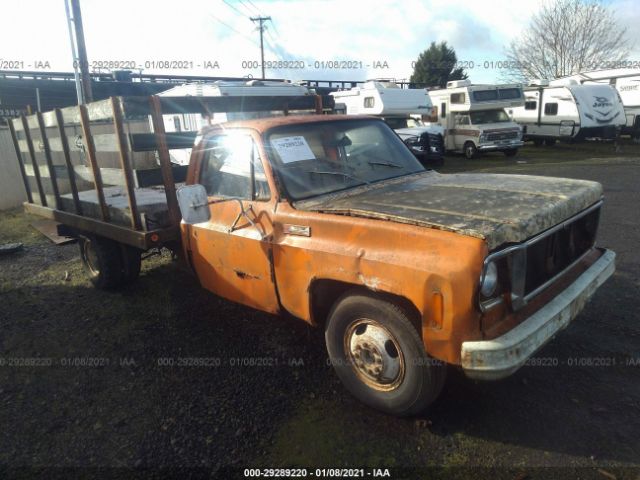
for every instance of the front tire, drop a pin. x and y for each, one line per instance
(512, 152)
(470, 150)
(379, 356)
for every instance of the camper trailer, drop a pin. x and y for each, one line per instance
(402, 109)
(627, 82)
(193, 122)
(474, 117)
(565, 110)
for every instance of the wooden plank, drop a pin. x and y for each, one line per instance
(103, 142)
(134, 107)
(125, 163)
(146, 142)
(147, 177)
(23, 173)
(49, 229)
(143, 240)
(48, 159)
(165, 159)
(32, 121)
(34, 162)
(96, 111)
(64, 143)
(93, 161)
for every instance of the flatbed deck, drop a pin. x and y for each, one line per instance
(152, 206)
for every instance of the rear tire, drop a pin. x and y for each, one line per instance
(550, 142)
(470, 150)
(131, 263)
(102, 259)
(538, 142)
(379, 356)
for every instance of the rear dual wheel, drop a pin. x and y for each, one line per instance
(379, 356)
(109, 264)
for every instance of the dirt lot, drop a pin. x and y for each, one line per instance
(114, 386)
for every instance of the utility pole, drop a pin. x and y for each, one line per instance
(72, 42)
(261, 20)
(85, 78)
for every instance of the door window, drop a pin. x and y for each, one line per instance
(232, 168)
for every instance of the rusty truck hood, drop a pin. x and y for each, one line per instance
(497, 208)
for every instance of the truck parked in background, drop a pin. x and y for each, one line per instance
(474, 117)
(402, 109)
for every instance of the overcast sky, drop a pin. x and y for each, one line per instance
(368, 33)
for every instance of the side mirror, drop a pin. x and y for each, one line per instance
(194, 204)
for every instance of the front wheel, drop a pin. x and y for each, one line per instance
(379, 357)
(511, 152)
(470, 150)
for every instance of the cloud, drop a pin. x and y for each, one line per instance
(197, 31)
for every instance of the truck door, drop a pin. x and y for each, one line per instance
(231, 253)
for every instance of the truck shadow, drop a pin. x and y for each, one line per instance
(166, 374)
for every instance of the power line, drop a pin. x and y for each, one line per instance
(246, 7)
(275, 29)
(254, 6)
(230, 5)
(231, 28)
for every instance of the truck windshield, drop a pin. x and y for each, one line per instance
(317, 158)
(403, 122)
(489, 116)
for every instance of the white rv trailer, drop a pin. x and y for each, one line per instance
(402, 109)
(191, 121)
(627, 82)
(565, 110)
(474, 117)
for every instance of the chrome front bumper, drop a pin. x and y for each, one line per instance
(503, 146)
(500, 357)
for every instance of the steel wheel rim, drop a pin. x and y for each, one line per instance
(91, 257)
(374, 354)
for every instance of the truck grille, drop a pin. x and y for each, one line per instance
(492, 137)
(556, 252)
(435, 140)
(529, 267)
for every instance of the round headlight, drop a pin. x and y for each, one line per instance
(489, 280)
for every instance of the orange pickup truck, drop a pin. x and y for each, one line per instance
(332, 219)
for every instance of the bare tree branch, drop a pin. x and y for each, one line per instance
(564, 38)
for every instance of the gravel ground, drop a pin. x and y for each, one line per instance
(167, 375)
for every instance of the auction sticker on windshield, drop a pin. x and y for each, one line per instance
(293, 149)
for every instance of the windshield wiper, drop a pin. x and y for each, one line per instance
(385, 164)
(346, 175)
